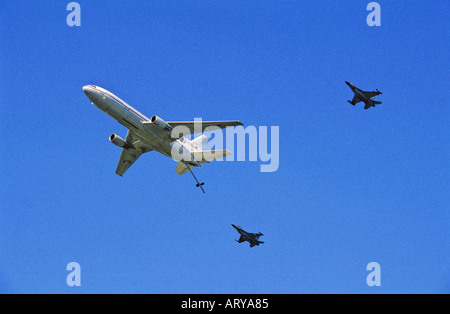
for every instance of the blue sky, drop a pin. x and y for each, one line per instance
(353, 186)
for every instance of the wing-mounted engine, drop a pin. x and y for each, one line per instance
(161, 123)
(118, 141)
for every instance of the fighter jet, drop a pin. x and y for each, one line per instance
(366, 97)
(252, 238)
(145, 135)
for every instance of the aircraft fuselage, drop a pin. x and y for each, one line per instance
(249, 237)
(366, 97)
(133, 120)
(361, 95)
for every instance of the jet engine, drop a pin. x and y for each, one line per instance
(160, 123)
(118, 141)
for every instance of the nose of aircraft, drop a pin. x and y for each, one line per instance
(238, 228)
(89, 91)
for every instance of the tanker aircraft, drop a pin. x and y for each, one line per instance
(155, 134)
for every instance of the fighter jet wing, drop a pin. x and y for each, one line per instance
(200, 126)
(356, 100)
(367, 106)
(371, 94)
(256, 236)
(130, 155)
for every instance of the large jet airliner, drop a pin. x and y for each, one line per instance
(145, 135)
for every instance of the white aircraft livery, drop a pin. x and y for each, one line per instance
(145, 135)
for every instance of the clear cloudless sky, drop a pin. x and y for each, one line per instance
(354, 186)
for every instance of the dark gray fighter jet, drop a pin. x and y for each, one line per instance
(252, 238)
(366, 97)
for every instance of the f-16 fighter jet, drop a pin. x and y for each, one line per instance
(252, 238)
(145, 135)
(366, 97)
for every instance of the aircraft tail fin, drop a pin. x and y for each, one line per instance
(201, 141)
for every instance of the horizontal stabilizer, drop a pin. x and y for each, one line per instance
(202, 157)
(182, 168)
(210, 155)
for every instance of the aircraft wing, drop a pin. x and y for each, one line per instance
(371, 94)
(200, 126)
(356, 100)
(367, 106)
(130, 155)
(256, 236)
